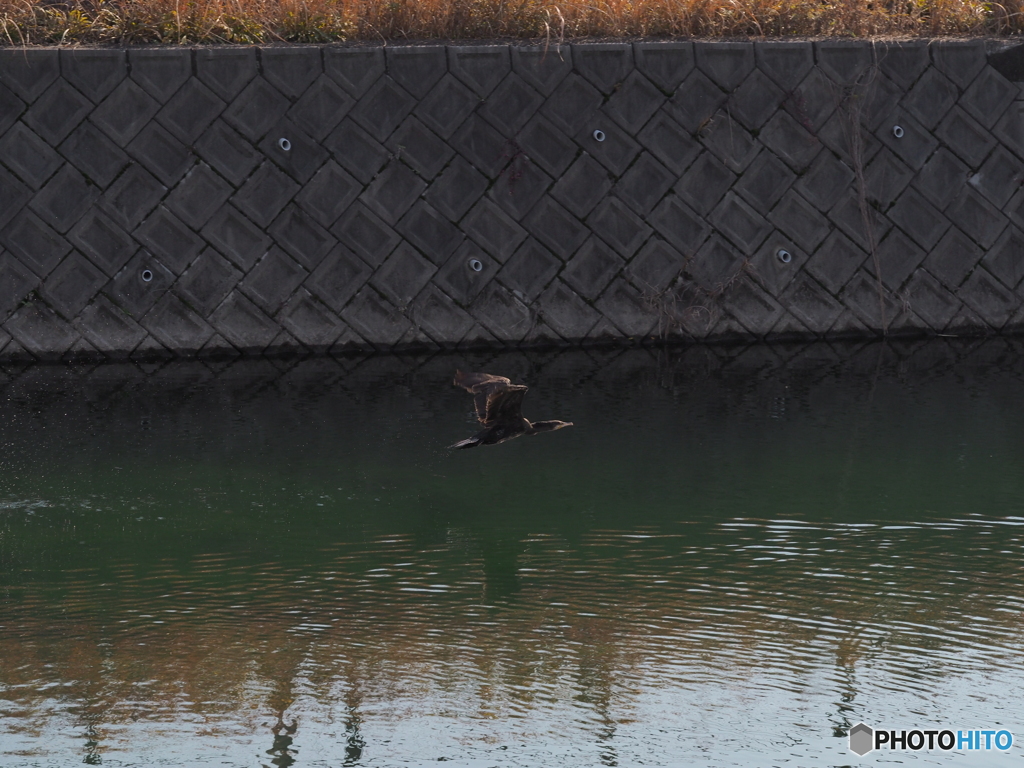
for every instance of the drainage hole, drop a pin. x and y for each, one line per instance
(476, 265)
(599, 135)
(897, 131)
(284, 144)
(147, 275)
(784, 256)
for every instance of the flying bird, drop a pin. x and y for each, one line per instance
(499, 407)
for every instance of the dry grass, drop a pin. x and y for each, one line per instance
(184, 22)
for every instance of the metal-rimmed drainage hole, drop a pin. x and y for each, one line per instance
(476, 265)
(897, 131)
(599, 135)
(284, 144)
(147, 275)
(784, 256)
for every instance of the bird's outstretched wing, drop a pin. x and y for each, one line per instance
(483, 386)
(505, 405)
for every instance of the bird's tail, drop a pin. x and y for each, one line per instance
(469, 442)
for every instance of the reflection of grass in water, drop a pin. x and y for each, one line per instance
(318, 21)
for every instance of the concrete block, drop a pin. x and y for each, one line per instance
(71, 285)
(520, 186)
(393, 192)
(565, 312)
(298, 155)
(224, 149)
(368, 236)
(543, 67)
(41, 331)
(930, 301)
(162, 154)
(848, 215)
(291, 69)
(321, 108)
(583, 186)
(133, 294)
(838, 133)
(614, 223)
(770, 272)
(555, 227)
(376, 320)
(995, 303)
(310, 321)
(456, 189)
(160, 71)
(836, 261)
(457, 277)
(483, 146)
(715, 265)
(13, 196)
(666, 64)
(764, 182)
(898, 257)
(730, 142)
(445, 323)
(90, 151)
(529, 271)
(669, 142)
(57, 112)
(785, 63)
(634, 102)
(644, 184)
(810, 303)
(547, 145)
(94, 72)
(845, 62)
(825, 181)
(429, 231)
(29, 156)
(942, 178)
(244, 325)
(206, 282)
(261, 198)
(403, 275)
(416, 68)
(683, 227)
(752, 306)
(273, 280)
(481, 67)
(29, 238)
(903, 61)
(756, 100)
(176, 326)
(198, 196)
(16, 281)
(953, 258)
(885, 178)
(103, 241)
(655, 267)
(513, 104)
(790, 141)
(29, 71)
(744, 226)
(109, 329)
(605, 65)
(236, 237)
(616, 151)
(64, 200)
(628, 310)
(727, 64)
(800, 221)
(988, 96)
(168, 237)
(881, 96)
(960, 61)
(328, 194)
(918, 218)
(931, 98)
(301, 237)
(226, 71)
(420, 147)
(340, 275)
(813, 101)
(695, 102)
(125, 112)
(592, 268)
(190, 111)
(256, 109)
(999, 177)
(869, 302)
(1004, 260)
(572, 105)
(356, 151)
(447, 106)
(968, 140)
(493, 230)
(977, 218)
(354, 69)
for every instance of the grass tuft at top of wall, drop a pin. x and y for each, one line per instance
(190, 22)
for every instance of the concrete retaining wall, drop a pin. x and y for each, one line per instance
(211, 201)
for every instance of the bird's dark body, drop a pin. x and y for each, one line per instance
(499, 407)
